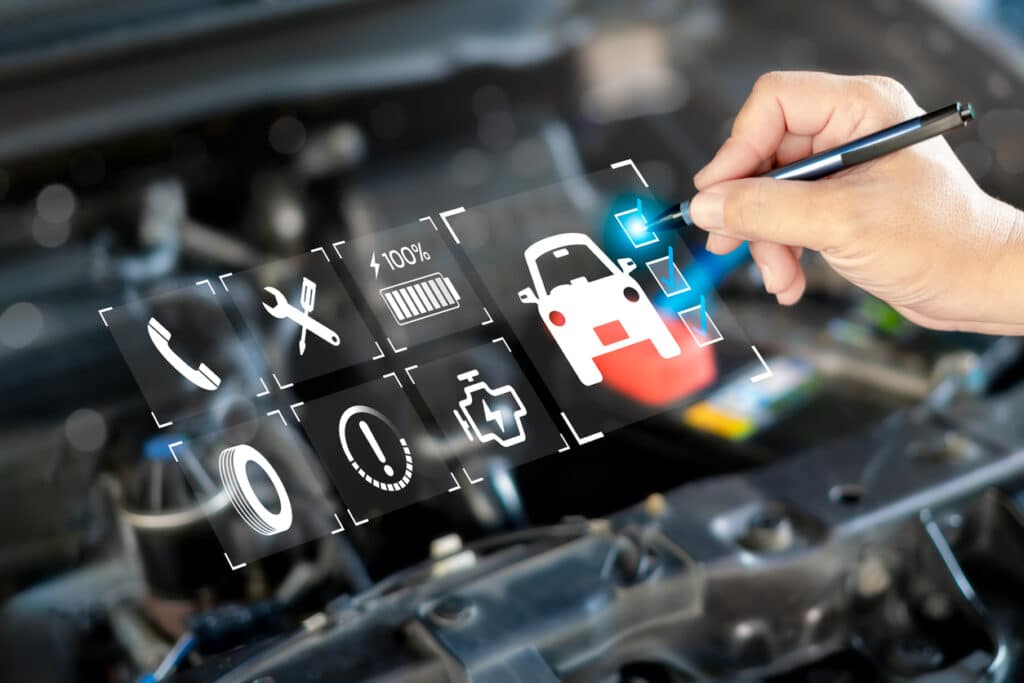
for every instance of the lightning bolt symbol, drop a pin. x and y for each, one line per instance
(374, 265)
(494, 415)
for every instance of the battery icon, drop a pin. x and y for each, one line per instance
(420, 298)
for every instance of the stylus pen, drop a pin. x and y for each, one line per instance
(852, 153)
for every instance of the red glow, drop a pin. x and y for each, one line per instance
(556, 318)
(640, 374)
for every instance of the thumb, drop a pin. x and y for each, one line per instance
(792, 212)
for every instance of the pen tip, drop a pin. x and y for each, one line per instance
(966, 112)
(665, 214)
(676, 216)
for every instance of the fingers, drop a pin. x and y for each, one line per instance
(794, 148)
(777, 264)
(790, 116)
(736, 158)
(824, 109)
(798, 102)
(790, 212)
(790, 295)
(780, 270)
(720, 244)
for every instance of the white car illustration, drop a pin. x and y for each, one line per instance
(591, 305)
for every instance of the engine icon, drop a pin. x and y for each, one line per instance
(489, 414)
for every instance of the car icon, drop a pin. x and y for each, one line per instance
(590, 304)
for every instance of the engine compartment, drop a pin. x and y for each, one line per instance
(864, 525)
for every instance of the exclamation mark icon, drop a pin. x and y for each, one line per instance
(375, 447)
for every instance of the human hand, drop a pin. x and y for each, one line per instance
(912, 227)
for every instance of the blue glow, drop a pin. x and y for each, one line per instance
(703, 273)
(156, 447)
(671, 281)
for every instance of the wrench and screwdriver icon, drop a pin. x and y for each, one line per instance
(282, 309)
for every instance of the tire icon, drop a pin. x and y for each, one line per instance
(233, 463)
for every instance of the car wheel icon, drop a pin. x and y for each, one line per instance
(233, 465)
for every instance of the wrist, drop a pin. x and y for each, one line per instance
(1004, 279)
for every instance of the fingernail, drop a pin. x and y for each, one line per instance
(698, 174)
(700, 177)
(785, 300)
(769, 278)
(714, 243)
(707, 209)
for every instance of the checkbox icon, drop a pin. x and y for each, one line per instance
(670, 279)
(702, 328)
(634, 225)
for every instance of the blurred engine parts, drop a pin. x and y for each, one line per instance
(145, 149)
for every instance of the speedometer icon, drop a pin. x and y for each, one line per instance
(374, 448)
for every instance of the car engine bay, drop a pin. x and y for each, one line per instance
(863, 522)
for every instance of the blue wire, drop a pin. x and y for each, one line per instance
(172, 660)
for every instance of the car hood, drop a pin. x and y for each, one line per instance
(590, 297)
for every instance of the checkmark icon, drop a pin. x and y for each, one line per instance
(671, 280)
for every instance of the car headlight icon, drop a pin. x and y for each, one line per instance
(233, 464)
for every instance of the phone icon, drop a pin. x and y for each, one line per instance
(203, 377)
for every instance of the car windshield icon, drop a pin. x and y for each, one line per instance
(591, 304)
(569, 264)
